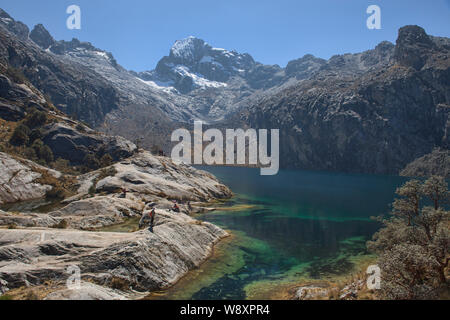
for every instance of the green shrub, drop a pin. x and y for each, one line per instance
(42, 151)
(91, 161)
(56, 193)
(35, 135)
(37, 145)
(46, 154)
(29, 154)
(119, 284)
(35, 119)
(106, 161)
(63, 224)
(61, 165)
(20, 135)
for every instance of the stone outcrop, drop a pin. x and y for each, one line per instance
(19, 179)
(146, 174)
(73, 88)
(42, 37)
(436, 163)
(86, 292)
(144, 261)
(70, 143)
(36, 248)
(11, 113)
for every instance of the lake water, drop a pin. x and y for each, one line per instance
(286, 229)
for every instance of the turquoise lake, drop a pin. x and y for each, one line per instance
(292, 227)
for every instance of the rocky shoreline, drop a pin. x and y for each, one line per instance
(39, 251)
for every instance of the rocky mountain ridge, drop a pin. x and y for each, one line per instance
(340, 114)
(373, 122)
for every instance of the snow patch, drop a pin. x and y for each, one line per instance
(198, 80)
(160, 85)
(184, 48)
(102, 54)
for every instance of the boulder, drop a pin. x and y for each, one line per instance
(11, 113)
(70, 143)
(18, 179)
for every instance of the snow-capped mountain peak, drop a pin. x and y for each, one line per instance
(194, 64)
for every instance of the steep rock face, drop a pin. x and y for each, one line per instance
(42, 37)
(18, 180)
(413, 47)
(73, 88)
(377, 122)
(436, 163)
(16, 27)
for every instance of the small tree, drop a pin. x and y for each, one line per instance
(91, 161)
(35, 135)
(106, 160)
(35, 119)
(413, 247)
(20, 135)
(46, 154)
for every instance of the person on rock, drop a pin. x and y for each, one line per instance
(148, 217)
(176, 207)
(152, 219)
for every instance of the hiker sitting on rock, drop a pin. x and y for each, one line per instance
(176, 207)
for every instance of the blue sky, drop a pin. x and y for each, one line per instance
(140, 32)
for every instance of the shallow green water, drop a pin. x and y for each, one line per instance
(294, 227)
(290, 227)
